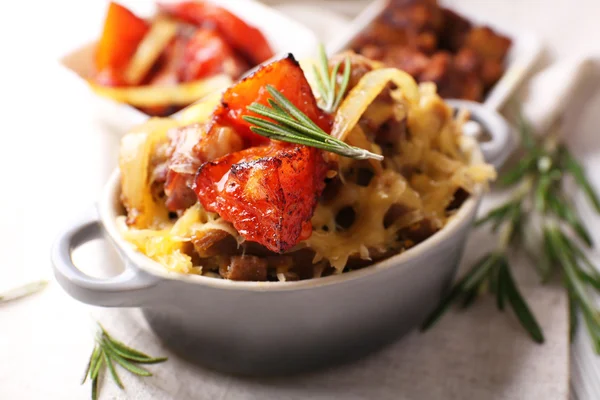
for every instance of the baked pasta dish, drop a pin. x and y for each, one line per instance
(376, 165)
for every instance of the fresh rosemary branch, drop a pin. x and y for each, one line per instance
(539, 179)
(288, 124)
(327, 83)
(106, 352)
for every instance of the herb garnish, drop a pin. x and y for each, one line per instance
(107, 351)
(23, 291)
(293, 126)
(327, 83)
(539, 203)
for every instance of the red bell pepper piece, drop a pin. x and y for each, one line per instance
(207, 54)
(268, 193)
(287, 77)
(123, 31)
(244, 38)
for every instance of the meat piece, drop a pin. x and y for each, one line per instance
(409, 60)
(454, 30)
(190, 147)
(491, 72)
(487, 43)
(245, 268)
(450, 81)
(468, 61)
(287, 77)
(213, 242)
(268, 193)
(415, 15)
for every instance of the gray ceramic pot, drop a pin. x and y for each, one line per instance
(259, 328)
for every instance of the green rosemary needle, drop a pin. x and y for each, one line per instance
(287, 123)
(327, 83)
(106, 352)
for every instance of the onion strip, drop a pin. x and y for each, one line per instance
(365, 92)
(154, 96)
(161, 33)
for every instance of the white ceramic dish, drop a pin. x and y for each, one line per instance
(297, 39)
(267, 328)
(524, 52)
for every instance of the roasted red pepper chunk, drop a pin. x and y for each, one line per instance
(122, 33)
(245, 38)
(287, 77)
(268, 193)
(207, 54)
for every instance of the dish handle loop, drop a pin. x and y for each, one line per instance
(501, 142)
(131, 288)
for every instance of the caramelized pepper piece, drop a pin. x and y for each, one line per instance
(245, 38)
(287, 77)
(268, 193)
(123, 31)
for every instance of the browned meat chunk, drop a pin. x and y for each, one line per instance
(436, 44)
(245, 268)
(487, 43)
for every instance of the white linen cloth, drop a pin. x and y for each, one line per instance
(57, 155)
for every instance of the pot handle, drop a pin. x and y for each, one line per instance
(131, 288)
(501, 141)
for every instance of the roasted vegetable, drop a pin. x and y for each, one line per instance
(284, 75)
(268, 193)
(123, 31)
(245, 38)
(151, 96)
(207, 54)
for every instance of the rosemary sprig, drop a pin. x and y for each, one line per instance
(106, 352)
(23, 291)
(331, 92)
(539, 180)
(285, 122)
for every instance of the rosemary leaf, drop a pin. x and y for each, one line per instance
(288, 124)
(344, 85)
(519, 305)
(97, 366)
(320, 84)
(332, 85)
(479, 268)
(91, 364)
(523, 167)
(95, 389)
(327, 82)
(132, 355)
(577, 171)
(23, 291)
(542, 191)
(567, 214)
(470, 297)
(501, 288)
(589, 279)
(495, 214)
(573, 317)
(121, 346)
(129, 366)
(288, 106)
(525, 130)
(111, 368)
